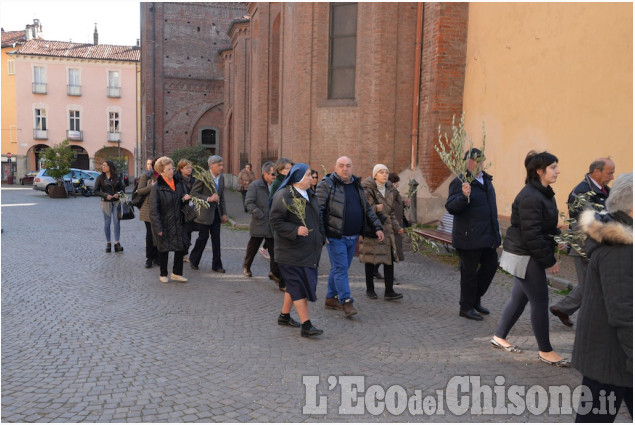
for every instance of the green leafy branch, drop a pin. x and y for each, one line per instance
(204, 176)
(573, 237)
(297, 207)
(451, 151)
(418, 241)
(199, 203)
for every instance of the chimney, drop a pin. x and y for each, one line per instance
(95, 36)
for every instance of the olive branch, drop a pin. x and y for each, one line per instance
(123, 197)
(206, 177)
(418, 241)
(199, 203)
(297, 207)
(452, 151)
(572, 236)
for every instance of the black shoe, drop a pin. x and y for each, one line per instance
(371, 294)
(221, 270)
(393, 296)
(193, 267)
(274, 277)
(479, 308)
(282, 321)
(247, 272)
(312, 331)
(148, 264)
(108, 248)
(470, 314)
(118, 247)
(564, 318)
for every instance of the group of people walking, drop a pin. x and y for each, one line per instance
(295, 216)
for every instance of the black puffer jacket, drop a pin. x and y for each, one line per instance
(475, 223)
(290, 248)
(166, 216)
(534, 223)
(332, 202)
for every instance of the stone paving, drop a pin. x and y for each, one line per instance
(94, 337)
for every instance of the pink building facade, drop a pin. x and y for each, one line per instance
(83, 93)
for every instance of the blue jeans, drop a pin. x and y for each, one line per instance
(115, 223)
(341, 253)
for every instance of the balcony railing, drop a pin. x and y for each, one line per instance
(114, 91)
(39, 88)
(75, 135)
(40, 134)
(73, 90)
(114, 136)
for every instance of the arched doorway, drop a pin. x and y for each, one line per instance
(122, 158)
(81, 160)
(34, 156)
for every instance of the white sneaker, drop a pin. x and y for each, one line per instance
(164, 279)
(264, 253)
(177, 278)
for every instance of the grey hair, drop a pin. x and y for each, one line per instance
(621, 196)
(598, 164)
(266, 166)
(214, 159)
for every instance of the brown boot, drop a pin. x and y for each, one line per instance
(349, 310)
(333, 304)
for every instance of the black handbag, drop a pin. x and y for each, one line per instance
(125, 210)
(137, 199)
(189, 213)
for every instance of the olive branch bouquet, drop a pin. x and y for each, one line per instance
(572, 236)
(418, 241)
(452, 151)
(297, 207)
(205, 176)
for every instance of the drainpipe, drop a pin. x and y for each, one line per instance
(154, 101)
(416, 91)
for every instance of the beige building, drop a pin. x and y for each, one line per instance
(549, 76)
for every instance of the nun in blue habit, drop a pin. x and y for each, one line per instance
(298, 239)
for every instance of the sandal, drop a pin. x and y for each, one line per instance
(509, 348)
(559, 363)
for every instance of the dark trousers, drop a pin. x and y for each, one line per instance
(571, 303)
(189, 228)
(533, 289)
(204, 232)
(369, 270)
(178, 262)
(244, 195)
(151, 250)
(605, 409)
(478, 267)
(252, 249)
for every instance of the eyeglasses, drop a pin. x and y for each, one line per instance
(314, 177)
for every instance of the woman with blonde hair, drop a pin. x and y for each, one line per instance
(166, 199)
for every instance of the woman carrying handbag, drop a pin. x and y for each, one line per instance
(107, 187)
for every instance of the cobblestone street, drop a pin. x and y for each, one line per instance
(94, 337)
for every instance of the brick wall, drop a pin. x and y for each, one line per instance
(182, 72)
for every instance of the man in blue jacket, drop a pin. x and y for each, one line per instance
(475, 234)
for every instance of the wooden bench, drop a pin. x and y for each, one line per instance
(442, 233)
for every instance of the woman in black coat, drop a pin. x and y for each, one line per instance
(529, 252)
(108, 186)
(184, 175)
(603, 348)
(166, 199)
(298, 241)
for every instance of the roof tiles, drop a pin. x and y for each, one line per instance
(65, 49)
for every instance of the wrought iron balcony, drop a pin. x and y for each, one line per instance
(39, 88)
(72, 90)
(114, 91)
(40, 134)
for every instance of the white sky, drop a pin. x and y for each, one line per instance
(118, 22)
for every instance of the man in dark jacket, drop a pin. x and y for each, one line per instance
(346, 215)
(601, 172)
(475, 234)
(211, 218)
(257, 202)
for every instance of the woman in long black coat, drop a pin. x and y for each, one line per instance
(298, 240)
(166, 199)
(603, 348)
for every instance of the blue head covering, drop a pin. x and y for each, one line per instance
(296, 173)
